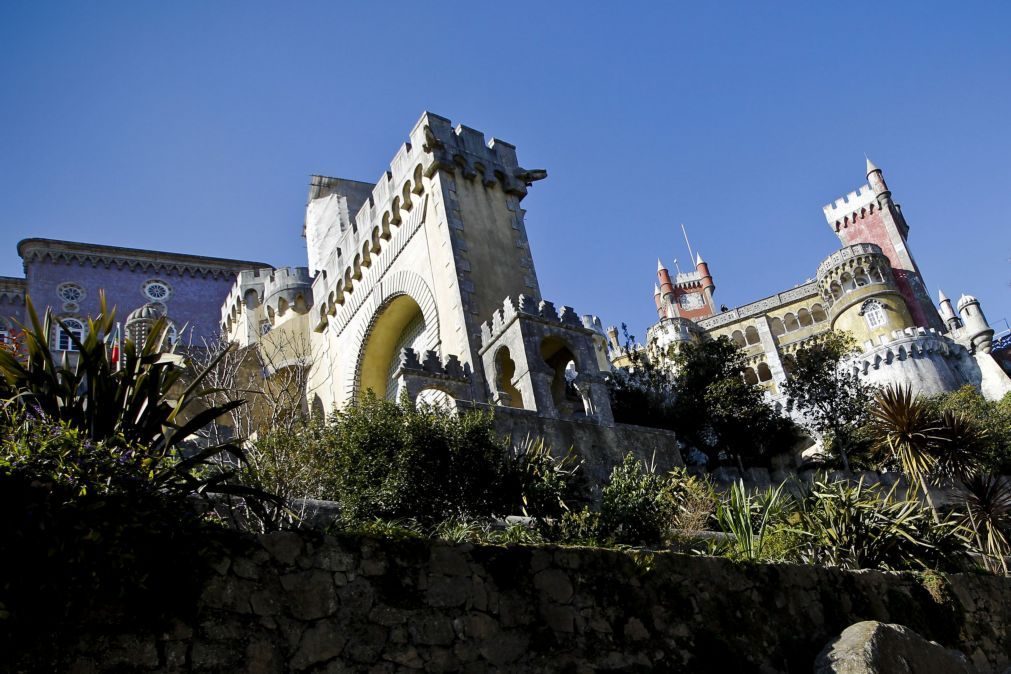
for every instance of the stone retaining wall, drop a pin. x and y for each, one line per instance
(303, 602)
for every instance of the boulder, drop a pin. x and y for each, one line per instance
(871, 647)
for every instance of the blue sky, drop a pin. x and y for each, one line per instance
(195, 126)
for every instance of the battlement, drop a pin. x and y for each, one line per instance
(687, 279)
(287, 284)
(435, 144)
(527, 307)
(12, 290)
(803, 291)
(247, 280)
(851, 207)
(451, 368)
(899, 345)
(842, 256)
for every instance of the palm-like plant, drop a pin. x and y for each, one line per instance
(139, 403)
(962, 444)
(988, 519)
(906, 432)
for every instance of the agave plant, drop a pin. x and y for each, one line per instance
(139, 402)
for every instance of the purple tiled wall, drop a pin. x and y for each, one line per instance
(195, 302)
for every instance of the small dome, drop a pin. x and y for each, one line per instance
(151, 311)
(966, 299)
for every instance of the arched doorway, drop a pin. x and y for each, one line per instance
(399, 325)
(559, 357)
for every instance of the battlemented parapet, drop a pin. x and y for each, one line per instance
(541, 359)
(287, 288)
(414, 376)
(239, 315)
(921, 358)
(848, 209)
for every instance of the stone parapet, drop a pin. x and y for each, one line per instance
(762, 306)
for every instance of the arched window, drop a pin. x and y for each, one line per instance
(776, 325)
(804, 318)
(818, 313)
(789, 364)
(751, 335)
(790, 321)
(750, 377)
(764, 373)
(64, 330)
(847, 282)
(836, 289)
(874, 313)
(860, 277)
(738, 338)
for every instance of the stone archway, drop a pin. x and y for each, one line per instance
(399, 324)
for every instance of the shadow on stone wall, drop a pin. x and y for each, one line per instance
(305, 602)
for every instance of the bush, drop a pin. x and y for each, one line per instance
(754, 522)
(391, 461)
(641, 507)
(636, 505)
(992, 419)
(856, 526)
(86, 536)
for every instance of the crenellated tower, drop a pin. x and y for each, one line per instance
(869, 215)
(688, 295)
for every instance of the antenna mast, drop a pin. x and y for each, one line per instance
(691, 255)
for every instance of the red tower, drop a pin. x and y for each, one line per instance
(869, 215)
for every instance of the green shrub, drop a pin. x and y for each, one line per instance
(752, 520)
(992, 420)
(856, 526)
(391, 461)
(86, 536)
(636, 507)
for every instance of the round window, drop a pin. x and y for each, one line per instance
(70, 292)
(157, 291)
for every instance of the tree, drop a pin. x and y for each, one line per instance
(717, 411)
(832, 398)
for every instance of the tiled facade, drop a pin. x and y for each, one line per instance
(196, 285)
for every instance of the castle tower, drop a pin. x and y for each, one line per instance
(869, 215)
(947, 313)
(658, 301)
(977, 330)
(863, 297)
(418, 260)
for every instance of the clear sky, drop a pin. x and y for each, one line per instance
(194, 127)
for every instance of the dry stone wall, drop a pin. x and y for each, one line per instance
(305, 602)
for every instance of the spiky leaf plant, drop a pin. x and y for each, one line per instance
(141, 404)
(988, 518)
(906, 432)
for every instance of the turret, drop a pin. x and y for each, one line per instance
(977, 330)
(657, 300)
(947, 313)
(708, 286)
(876, 179)
(666, 289)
